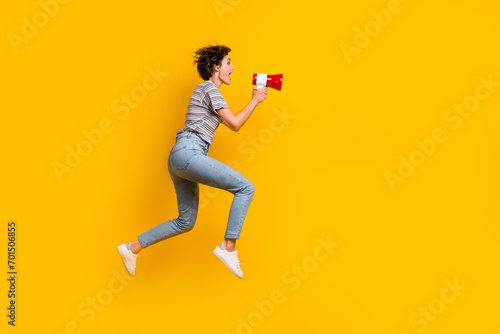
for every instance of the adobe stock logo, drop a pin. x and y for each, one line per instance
(222, 6)
(429, 313)
(371, 30)
(29, 29)
(427, 147)
(294, 277)
(94, 137)
(96, 303)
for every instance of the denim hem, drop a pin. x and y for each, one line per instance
(139, 239)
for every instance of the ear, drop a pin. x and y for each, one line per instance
(217, 68)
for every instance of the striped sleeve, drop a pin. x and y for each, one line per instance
(216, 99)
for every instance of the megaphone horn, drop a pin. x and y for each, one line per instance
(274, 81)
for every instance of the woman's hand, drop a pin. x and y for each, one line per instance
(260, 94)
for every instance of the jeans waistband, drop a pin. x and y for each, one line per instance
(193, 135)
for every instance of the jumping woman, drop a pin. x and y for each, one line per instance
(189, 163)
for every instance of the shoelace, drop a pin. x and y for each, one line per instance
(236, 260)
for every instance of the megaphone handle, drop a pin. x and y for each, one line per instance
(259, 87)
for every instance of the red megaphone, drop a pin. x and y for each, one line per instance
(274, 81)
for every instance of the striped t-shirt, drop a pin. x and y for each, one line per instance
(202, 116)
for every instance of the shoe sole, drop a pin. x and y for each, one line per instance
(122, 249)
(218, 253)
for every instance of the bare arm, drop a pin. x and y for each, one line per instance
(236, 121)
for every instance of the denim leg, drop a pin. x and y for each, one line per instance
(189, 165)
(206, 170)
(187, 201)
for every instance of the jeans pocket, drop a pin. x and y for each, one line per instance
(179, 157)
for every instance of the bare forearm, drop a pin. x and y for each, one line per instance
(242, 116)
(236, 121)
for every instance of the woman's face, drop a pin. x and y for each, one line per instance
(225, 70)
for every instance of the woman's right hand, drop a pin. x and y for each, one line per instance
(260, 94)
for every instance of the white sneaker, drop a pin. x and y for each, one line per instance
(129, 258)
(230, 259)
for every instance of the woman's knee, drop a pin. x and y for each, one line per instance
(249, 188)
(187, 221)
(186, 224)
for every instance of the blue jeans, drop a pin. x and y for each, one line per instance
(189, 165)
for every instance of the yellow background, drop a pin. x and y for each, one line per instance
(320, 175)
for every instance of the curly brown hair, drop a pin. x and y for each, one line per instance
(208, 56)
